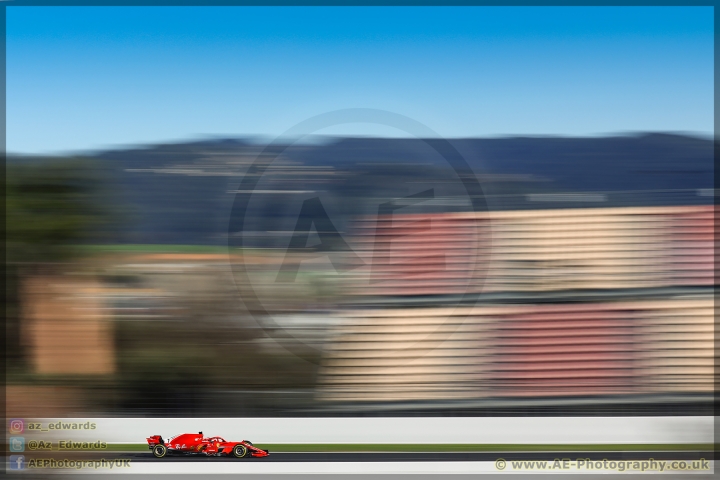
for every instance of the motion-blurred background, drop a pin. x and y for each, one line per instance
(586, 284)
(162, 261)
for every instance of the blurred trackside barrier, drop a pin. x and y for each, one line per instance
(588, 302)
(536, 251)
(587, 349)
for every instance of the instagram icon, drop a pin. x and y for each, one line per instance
(17, 425)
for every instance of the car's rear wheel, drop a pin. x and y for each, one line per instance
(239, 451)
(159, 450)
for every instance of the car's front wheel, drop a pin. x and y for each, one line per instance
(159, 450)
(239, 451)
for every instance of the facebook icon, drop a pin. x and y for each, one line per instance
(17, 462)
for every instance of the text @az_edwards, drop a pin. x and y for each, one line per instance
(66, 445)
(48, 427)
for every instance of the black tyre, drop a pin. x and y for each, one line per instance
(159, 450)
(239, 451)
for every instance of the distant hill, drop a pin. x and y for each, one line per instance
(182, 193)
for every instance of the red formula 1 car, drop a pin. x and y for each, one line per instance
(197, 444)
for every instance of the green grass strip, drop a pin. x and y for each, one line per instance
(160, 248)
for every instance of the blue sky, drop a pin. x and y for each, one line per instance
(94, 77)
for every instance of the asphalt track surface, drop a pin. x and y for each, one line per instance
(423, 456)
